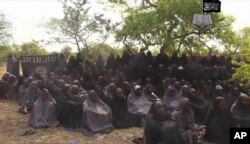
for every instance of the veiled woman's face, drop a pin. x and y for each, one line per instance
(119, 93)
(171, 93)
(222, 105)
(94, 96)
(159, 108)
(236, 91)
(138, 92)
(34, 85)
(245, 101)
(193, 93)
(150, 89)
(45, 95)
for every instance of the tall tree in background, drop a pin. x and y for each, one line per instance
(67, 51)
(29, 48)
(102, 49)
(243, 71)
(166, 24)
(4, 50)
(78, 25)
(5, 28)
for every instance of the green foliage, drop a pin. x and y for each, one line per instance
(104, 50)
(29, 48)
(78, 25)
(166, 24)
(243, 71)
(67, 51)
(5, 27)
(4, 50)
(53, 53)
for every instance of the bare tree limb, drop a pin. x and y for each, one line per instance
(150, 3)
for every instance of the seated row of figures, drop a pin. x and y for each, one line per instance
(177, 119)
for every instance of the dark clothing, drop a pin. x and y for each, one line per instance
(241, 114)
(125, 58)
(110, 62)
(155, 133)
(100, 64)
(199, 107)
(218, 125)
(69, 111)
(122, 118)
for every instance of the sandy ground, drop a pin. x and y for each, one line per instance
(13, 123)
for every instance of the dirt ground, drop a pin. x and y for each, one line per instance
(13, 123)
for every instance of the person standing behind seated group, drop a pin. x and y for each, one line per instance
(43, 112)
(97, 116)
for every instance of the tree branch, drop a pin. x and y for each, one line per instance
(179, 47)
(185, 35)
(126, 45)
(150, 3)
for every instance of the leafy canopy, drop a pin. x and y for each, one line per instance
(166, 25)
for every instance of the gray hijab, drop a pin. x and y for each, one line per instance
(97, 116)
(138, 104)
(172, 102)
(43, 112)
(31, 95)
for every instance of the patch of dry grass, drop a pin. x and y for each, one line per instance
(2, 71)
(13, 123)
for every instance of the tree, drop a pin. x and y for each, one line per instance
(5, 28)
(4, 50)
(30, 48)
(67, 51)
(78, 25)
(102, 49)
(243, 70)
(166, 24)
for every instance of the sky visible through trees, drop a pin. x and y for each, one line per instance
(28, 18)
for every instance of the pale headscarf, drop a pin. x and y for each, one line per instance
(43, 113)
(138, 104)
(97, 117)
(172, 103)
(31, 95)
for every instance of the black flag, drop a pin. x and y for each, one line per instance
(211, 6)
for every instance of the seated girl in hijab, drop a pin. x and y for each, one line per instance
(21, 95)
(122, 118)
(160, 128)
(184, 91)
(148, 92)
(43, 112)
(199, 105)
(137, 102)
(97, 116)
(241, 111)
(70, 108)
(30, 96)
(219, 122)
(185, 119)
(171, 99)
